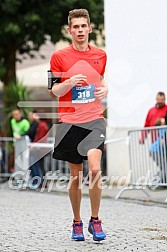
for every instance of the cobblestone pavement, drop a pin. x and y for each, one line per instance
(41, 222)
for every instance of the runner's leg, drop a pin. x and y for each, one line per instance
(94, 159)
(74, 190)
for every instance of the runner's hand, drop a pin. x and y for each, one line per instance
(100, 92)
(78, 80)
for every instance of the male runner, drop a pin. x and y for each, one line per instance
(78, 82)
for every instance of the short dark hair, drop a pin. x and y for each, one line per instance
(77, 13)
(16, 109)
(161, 93)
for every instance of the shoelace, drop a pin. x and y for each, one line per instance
(97, 226)
(77, 228)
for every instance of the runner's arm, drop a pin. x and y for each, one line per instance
(60, 89)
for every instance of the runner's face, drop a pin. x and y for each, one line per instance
(79, 30)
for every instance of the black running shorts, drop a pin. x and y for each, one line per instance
(73, 141)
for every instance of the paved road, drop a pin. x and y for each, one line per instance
(41, 222)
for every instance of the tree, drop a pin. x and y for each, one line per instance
(26, 25)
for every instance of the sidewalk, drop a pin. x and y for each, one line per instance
(158, 195)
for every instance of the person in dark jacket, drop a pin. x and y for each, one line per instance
(31, 132)
(40, 136)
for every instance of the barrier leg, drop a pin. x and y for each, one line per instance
(131, 188)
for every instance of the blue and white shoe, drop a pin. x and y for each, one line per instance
(95, 229)
(77, 231)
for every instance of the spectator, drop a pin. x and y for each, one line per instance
(42, 130)
(158, 149)
(36, 169)
(19, 124)
(2, 154)
(158, 111)
(2, 158)
(31, 132)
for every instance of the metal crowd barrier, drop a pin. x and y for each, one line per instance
(147, 159)
(24, 148)
(15, 158)
(6, 157)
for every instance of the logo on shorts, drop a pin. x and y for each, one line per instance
(102, 135)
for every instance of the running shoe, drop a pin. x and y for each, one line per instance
(77, 231)
(96, 230)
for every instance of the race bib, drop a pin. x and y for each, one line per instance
(83, 94)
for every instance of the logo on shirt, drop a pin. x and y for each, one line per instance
(96, 62)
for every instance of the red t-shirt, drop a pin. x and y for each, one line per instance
(78, 105)
(153, 114)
